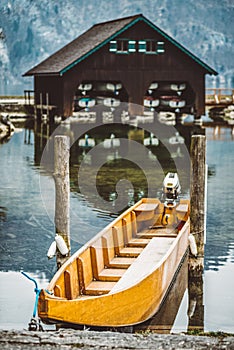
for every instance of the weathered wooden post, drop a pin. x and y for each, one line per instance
(41, 104)
(197, 228)
(62, 195)
(197, 198)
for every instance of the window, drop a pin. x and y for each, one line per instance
(160, 47)
(154, 47)
(151, 46)
(146, 46)
(132, 46)
(141, 46)
(113, 46)
(122, 46)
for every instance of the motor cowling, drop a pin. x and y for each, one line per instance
(171, 189)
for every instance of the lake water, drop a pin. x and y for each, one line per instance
(27, 209)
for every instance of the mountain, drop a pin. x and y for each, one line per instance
(32, 30)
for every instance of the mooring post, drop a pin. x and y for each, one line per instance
(62, 195)
(197, 198)
(197, 229)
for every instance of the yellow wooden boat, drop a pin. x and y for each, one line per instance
(121, 276)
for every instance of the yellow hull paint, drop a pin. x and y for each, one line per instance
(126, 306)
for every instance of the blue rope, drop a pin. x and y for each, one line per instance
(36, 290)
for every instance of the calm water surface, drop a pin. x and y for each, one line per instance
(26, 229)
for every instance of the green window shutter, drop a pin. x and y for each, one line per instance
(132, 46)
(113, 46)
(141, 46)
(160, 47)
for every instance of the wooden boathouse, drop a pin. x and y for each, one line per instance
(123, 60)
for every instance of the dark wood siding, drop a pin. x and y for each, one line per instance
(135, 70)
(53, 85)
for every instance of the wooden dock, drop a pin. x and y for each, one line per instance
(219, 97)
(220, 132)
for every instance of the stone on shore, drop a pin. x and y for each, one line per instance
(73, 339)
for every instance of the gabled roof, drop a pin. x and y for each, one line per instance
(95, 38)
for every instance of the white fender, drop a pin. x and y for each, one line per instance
(52, 250)
(192, 307)
(192, 244)
(61, 245)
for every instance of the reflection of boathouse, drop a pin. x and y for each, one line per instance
(124, 60)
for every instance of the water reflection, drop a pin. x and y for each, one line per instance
(24, 220)
(3, 214)
(196, 303)
(168, 319)
(218, 299)
(113, 149)
(26, 224)
(17, 302)
(220, 233)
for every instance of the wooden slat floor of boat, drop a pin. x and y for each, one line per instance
(130, 251)
(156, 232)
(138, 242)
(111, 274)
(121, 262)
(99, 287)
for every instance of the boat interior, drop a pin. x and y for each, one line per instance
(108, 261)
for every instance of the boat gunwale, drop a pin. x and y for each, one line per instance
(93, 240)
(51, 317)
(133, 285)
(52, 320)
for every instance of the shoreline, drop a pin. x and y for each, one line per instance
(73, 339)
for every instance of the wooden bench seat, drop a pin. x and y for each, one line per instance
(157, 232)
(99, 288)
(130, 251)
(121, 237)
(138, 242)
(88, 273)
(151, 235)
(101, 269)
(121, 262)
(106, 266)
(146, 207)
(146, 211)
(182, 211)
(109, 274)
(182, 207)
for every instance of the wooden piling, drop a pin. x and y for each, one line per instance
(197, 199)
(47, 104)
(62, 196)
(41, 104)
(195, 304)
(197, 228)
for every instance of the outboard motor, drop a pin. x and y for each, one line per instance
(171, 189)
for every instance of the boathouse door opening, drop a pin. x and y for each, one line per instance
(107, 94)
(165, 96)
